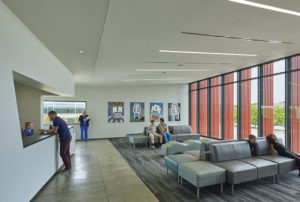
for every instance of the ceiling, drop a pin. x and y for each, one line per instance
(120, 36)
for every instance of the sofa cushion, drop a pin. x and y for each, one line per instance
(172, 161)
(204, 148)
(184, 137)
(262, 148)
(265, 168)
(238, 171)
(192, 144)
(182, 129)
(229, 151)
(195, 153)
(284, 164)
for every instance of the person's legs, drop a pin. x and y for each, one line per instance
(65, 152)
(164, 136)
(86, 129)
(160, 138)
(151, 138)
(81, 132)
(169, 136)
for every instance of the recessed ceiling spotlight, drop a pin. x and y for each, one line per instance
(81, 51)
(208, 53)
(268, 7)
(172, 70)
(237, 38)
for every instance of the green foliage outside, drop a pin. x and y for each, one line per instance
(278, 115)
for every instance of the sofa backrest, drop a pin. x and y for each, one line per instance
(181, 129)
(229, 151)
(262, 148)
(204, 148)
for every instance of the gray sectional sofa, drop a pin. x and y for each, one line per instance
(235, 158)
(179, 133)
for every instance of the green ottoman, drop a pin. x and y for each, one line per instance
(192, 145)
(173, 147)
(172, 161)
(138, 139)
(202, 174)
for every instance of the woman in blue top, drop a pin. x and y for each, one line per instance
(84, 120)
(28, 131)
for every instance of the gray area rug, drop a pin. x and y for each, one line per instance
(149, 166)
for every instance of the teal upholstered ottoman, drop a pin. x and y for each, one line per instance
(138, 139)
(192, 145)
(173, 147)
(202, 174)
(172, 161)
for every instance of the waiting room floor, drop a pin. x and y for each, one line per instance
(99, 174)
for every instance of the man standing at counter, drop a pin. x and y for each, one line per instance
(61, 127)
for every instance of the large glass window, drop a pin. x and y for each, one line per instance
(254, 98)
(203, 108)
(69, 111)
(295, 104)
(193, 107)
(273, 105)
(215, 111)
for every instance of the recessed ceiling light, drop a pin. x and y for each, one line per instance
(154, 79)
(264, 6)
(236, 38)
(172, 70)
(81, 51)
(208, 53)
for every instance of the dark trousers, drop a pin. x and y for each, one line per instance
(65, 152)
(292, 155)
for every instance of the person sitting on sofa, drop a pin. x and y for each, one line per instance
(281, 150)
(164, 130)
(252, 143)
(152, 134)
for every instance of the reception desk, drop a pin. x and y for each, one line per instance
(36, 138)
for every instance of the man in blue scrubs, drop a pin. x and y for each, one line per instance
(61, 127)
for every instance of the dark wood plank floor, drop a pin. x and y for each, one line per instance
(149, 166)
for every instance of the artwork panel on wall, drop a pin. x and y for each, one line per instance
(156, 111)
(115, 112)
(174, 110)
(137, 112)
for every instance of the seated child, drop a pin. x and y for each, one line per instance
(252, 143)
(152, 134)
(281, 150)
(28, 131)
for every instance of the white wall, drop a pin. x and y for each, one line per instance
(29, 104)
(97, 98)
(24, 171)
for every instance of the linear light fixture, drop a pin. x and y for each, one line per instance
(172, 70)
(236, 38)
(154, 79)
(264, 6)
(208, 53)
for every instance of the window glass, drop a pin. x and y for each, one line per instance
(193, 114)
(215, 114)
(249, 108)
(69, 111)
(295, 105)
(230, 107)
(273, 107)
